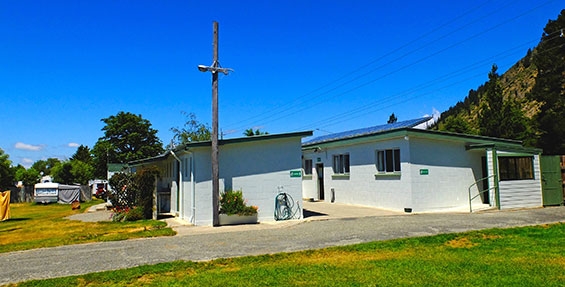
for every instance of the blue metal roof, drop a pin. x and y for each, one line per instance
(367, 131)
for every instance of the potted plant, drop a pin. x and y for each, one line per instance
(234, 210)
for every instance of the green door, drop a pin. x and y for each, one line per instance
(552, 184)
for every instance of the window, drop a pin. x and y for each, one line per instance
(307, 166)
(516, 168)
(388, 160)
(341, 164)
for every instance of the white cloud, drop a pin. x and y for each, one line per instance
(74, 145)
(30, 147)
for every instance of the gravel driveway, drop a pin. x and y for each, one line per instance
(206, 243)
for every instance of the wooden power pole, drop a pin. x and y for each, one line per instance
(215, 69)
(215, 160)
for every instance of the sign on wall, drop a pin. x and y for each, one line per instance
(296, 173)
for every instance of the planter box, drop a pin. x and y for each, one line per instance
(237, 219)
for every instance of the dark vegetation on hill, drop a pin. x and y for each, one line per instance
(526, 103)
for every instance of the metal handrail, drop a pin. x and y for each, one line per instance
(480, 191)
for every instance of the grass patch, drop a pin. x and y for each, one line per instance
(36, 225)
(527, 256)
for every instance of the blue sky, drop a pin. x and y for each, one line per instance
(326, 66)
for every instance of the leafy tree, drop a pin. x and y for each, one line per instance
(392, 119)
(549, 88)
(83, 154)
(192, 131)
(127, 137)
(257, 132)
(491, 105)
(81, 171)
(29, 176)
(498, 117)
(101, 158)
(457, 124)
(45, 166)
(6, 172)
(62, 173)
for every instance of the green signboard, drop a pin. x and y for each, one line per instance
(424, 171)
(296, 173)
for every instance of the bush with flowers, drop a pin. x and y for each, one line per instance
(232, 203)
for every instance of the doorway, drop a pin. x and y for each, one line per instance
(320, 176)
(552, 183)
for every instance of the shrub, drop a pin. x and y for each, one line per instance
(232, 202)
(133, 193)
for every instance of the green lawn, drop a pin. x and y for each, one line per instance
(37, 225)
(528, 256)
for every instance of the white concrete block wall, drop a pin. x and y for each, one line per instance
(262, 170)
(256, 168)
(451, 171)
(363, 187)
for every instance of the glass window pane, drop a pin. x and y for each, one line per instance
(381, 160)
(388, 160)
(396, 160)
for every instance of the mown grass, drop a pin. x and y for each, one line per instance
(528, 256)
(36, 225)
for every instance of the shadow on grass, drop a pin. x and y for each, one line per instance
(17, 219)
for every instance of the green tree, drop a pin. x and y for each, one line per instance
(192, 131)
(45, 166)
(250, 132)
(83, 154)
(62, 173)
(127, 137)
(457, 124)
(29, 176)
(6, 172)
(491, 106)
(499, 117)
(549, 88)
(101, 158)
(81, 171)
(392, 119)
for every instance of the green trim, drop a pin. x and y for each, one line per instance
(245, 139)
(496, 181)
(340, 176)
(307, 177)
(505, 147)
(388, 174)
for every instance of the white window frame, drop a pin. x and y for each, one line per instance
(341, 164)
(388, 161)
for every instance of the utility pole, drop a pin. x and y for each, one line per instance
(215, 160)
(215, 68)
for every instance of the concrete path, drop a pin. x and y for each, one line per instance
(206, 243)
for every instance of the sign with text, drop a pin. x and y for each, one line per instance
(296, 173)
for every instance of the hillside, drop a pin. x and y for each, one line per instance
(527, 102)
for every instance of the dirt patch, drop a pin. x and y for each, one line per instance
(462, 242)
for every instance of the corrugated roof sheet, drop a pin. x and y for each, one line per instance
(367, 131)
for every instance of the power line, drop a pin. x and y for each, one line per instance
(282, 112)
(300, 100)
